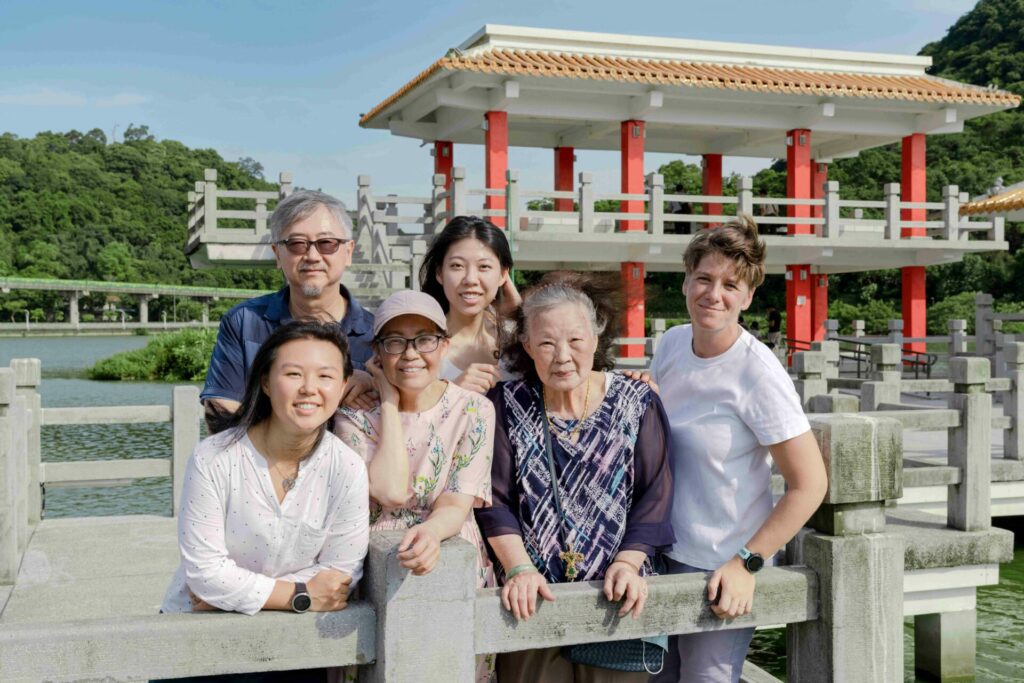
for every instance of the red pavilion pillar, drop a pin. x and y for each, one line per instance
(798, 277)
(632, 151)
(711, 185)
(819, 281)
(913, 188)
(496, 161)
(443, 161)
(565, 158)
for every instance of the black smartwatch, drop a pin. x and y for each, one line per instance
(301, 601)
(752, 561)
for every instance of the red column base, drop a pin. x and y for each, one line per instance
(633, 326)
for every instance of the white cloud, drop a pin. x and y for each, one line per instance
(43, 97)
(123, 99)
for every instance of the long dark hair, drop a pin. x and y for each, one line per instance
(255, 407)
(460, 228)
(599, 294)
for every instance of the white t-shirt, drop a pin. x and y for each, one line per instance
(235, 538)
(723, 412)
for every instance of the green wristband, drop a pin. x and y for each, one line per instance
(518, 569)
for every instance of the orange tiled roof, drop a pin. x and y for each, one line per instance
(705, 75)
(1011, 200)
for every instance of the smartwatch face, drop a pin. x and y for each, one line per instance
(301, 602)
(754, 563)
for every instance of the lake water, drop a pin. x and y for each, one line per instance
(1000, 618)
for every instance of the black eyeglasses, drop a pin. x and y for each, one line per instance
(425, 343)
(324, 245)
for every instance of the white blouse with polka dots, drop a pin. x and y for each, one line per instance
(236, 539)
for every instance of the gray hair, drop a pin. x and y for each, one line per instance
(553, 296)
(301, 204)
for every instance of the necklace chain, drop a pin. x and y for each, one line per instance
(574, 435)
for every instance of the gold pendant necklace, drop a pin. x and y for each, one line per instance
(574, 435)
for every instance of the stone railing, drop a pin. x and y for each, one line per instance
(842, 590)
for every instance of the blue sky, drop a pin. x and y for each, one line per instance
(285, 82)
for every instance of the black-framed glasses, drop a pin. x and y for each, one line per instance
(300, 246)
(424, 343)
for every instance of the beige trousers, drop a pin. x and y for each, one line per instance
(549, 666)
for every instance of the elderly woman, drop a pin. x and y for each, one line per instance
(427, 444)
(274, 509)
(582, 489)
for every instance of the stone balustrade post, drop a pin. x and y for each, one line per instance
(419, 251)
(831, 212)
(414, 612)
(859, 565)
(9, 486)
(809, 367)
(438, 204)
(895, 332)
(210, 199)
(858, 328)
(1002, 340)
(957, 337)
(951, 212)
(28, 375)
(512, 208)
(658, 326)
(586, 202)
(984, 332)
(1013, 401)
(968, 505)
(885, 376)
(186, 411)
(284, 184)
(458, 190)
(745, 196)
(831, 329)
(892, 211)
(656, 201)
(831, 351)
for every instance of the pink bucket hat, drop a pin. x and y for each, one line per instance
(409, 302)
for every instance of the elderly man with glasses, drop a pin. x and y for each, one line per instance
(311, 235)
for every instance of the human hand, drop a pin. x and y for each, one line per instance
(519, 594)
(731, 590)
(479, 377)
(360, 392)
(387, 391)
(510, 297)
(328, 590)
(199, 605)
(419, 550)
(641, 376)
(623, 582)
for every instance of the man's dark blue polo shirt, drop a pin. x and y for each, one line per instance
(246, 326)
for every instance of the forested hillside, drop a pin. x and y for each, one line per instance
(73, 206)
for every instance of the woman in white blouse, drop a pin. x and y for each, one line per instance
(274, 510)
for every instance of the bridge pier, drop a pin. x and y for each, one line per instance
(73, 315)
(144, 307)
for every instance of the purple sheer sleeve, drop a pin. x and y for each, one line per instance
(649, 525)
(502, 517)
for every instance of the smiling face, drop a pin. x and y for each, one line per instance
(471, 276)
(313, 273)
(304, 385)
(715, 295)
(561, 341)
(411, 371)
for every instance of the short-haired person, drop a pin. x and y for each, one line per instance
(468, 271)
(732, 408)
(311, 235)
(275, 508)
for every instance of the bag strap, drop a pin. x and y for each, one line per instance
(549, 453)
